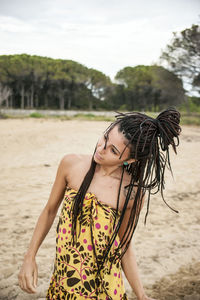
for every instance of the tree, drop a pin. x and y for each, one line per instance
(182, 55)
(35, 81)
(98, 83)
(72, 75)
(150, 87)
(16, 73)
(5, 92)
(137, 83)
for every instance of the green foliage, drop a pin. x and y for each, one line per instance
(191, 104)
(3, 116)
(42, 82)
(36, 115)
(123, 107)
(149, 88)
(190, 119)
(183, 55)
(92, 117)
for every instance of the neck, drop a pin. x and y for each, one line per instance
(108, 170)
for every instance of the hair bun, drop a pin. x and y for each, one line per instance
(168, 128)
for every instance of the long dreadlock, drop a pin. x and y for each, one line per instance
(148, 141)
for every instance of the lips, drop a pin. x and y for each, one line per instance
(98, 156)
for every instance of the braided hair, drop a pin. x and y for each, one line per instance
(148, 140)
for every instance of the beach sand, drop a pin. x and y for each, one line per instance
(167, 248)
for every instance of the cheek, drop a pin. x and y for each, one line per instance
(126, 154)
(100, 143)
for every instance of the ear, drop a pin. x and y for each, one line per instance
(131, 160)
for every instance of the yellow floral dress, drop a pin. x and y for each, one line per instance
(75, 269)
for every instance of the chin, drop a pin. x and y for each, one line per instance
(98, 161)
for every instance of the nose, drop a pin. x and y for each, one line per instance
(102, 147)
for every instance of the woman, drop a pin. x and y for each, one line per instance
(103, 196)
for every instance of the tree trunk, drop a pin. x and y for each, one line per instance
(90, 105)
(27, 100)
(36, 101)
(61, 102)
(31, 97)
(22, 97)
(11, 101)
(46, 102)
(69, 102)
(7, 103)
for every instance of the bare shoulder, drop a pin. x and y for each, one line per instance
(75, 166)
(69, 160)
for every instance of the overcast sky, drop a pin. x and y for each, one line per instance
(107, 35)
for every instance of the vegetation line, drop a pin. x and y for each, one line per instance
(186, 118)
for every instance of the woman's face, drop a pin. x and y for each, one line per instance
(110, 147)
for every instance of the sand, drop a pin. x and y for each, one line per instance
(167, 248)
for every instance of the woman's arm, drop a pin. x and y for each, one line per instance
(28, 273)
(130, 268)
(129, 264)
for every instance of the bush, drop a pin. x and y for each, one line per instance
(192, 104)
(36, 115)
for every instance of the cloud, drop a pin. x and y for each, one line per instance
(107, 35)
(14, 25)
(23, 9)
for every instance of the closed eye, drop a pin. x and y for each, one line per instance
(113, 151)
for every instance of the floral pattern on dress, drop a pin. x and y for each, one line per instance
(75, 268)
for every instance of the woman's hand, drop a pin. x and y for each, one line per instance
(28, 276)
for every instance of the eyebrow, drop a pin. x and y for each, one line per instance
(107, 136)
(116, 149)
